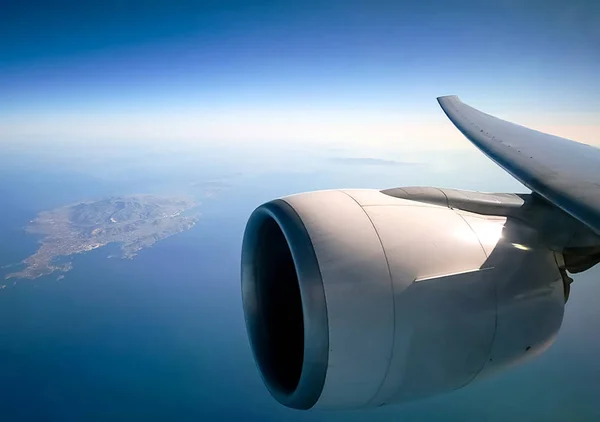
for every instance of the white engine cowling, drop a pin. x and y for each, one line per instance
(354, 298)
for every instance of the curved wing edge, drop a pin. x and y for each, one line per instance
(564, 172)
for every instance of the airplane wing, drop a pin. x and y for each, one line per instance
(564, 172)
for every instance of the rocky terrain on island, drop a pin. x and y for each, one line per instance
(135, 222)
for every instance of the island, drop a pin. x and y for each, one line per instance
(135, 222)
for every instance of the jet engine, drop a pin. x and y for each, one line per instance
(357, 298)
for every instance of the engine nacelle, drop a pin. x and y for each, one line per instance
(354, 298)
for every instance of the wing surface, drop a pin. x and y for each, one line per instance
(564, 172)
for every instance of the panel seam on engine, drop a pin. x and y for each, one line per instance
(474, 232)
(387, 262)
(496, 315)
(431, 277)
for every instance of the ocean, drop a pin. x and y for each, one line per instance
(162, 336)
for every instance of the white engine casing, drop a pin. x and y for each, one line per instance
(399, 299)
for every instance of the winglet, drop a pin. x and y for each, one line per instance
(447, 98)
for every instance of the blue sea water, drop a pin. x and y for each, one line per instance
(162, 336)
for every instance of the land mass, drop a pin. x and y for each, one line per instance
(136, 222)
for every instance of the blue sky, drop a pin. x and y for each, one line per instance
(110, 68)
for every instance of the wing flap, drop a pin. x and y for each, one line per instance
(564, 172)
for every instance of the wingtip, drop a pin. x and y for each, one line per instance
(447, 97)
